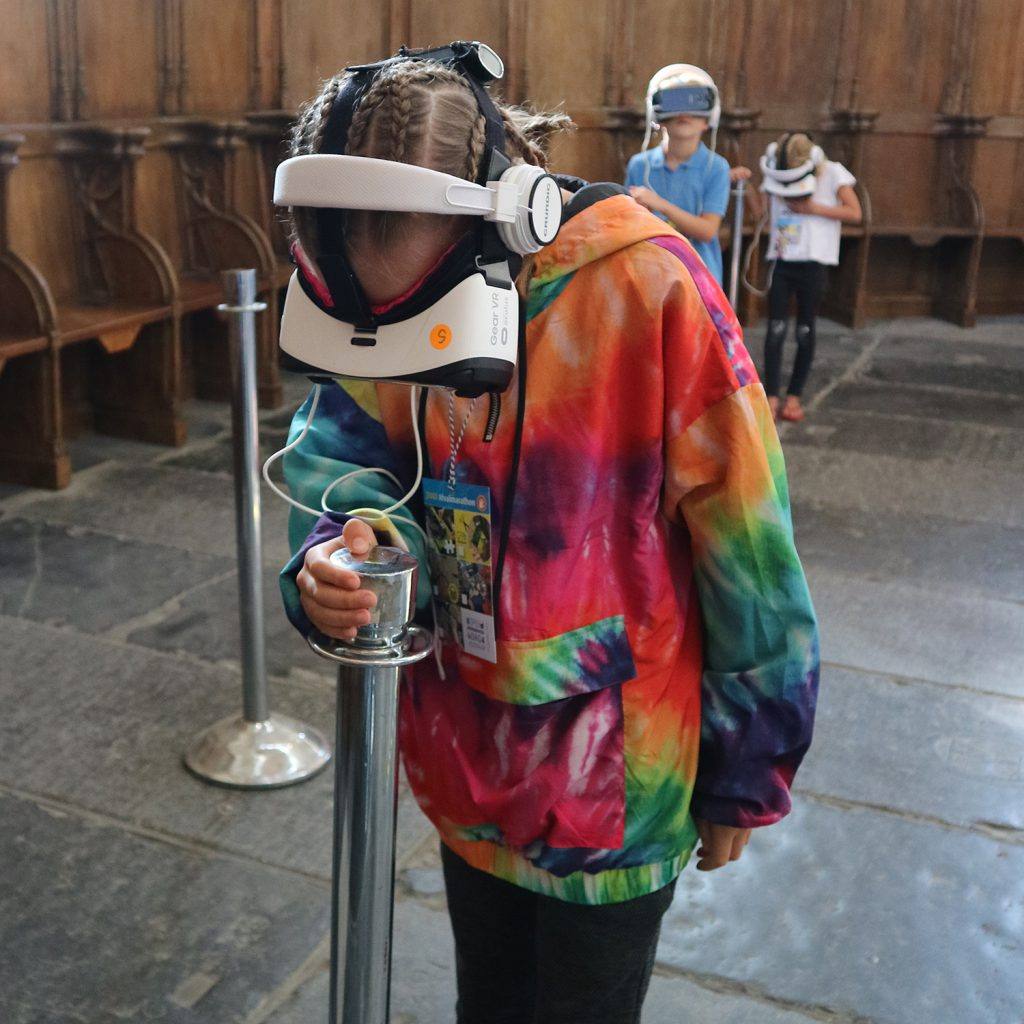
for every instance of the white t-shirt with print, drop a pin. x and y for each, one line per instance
(804, 236)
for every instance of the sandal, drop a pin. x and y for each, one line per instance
(792, 411)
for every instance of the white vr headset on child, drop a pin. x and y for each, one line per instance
(789, 182)
(460, 329)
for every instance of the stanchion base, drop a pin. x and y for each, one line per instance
(258, 755)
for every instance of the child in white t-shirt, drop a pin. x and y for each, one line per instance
(810, 198)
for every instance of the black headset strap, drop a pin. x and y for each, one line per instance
(494, 128)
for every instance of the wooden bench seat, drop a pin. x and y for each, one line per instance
(89, 336)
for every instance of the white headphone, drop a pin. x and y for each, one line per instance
(525, 203)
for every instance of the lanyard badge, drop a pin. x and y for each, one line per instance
(459, 529)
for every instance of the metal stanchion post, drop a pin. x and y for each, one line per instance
(365, 784)
(257, 749)
(738, 192)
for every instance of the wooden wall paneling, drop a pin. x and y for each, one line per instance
(27, 49)
(997, 83)
(434, 24)
(1001, 277)
(902, 63)
(265, 58)
(320, 37)
(899, 170)
(119, 60)
(398, 24)
(216, 55)
(792, 78)
(668, 33)
(570, 76)
(32, 448)
(513, 87)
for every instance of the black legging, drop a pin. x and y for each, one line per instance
(523, 958)
(806, 280)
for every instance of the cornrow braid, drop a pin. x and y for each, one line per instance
(327, 98)
(477, 142)
(390, 89)
(415, 112)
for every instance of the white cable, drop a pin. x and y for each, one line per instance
(285, 450)
(324, 507)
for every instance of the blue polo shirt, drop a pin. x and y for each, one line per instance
(701, 185)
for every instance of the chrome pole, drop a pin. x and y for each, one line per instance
(738, 192)
(365, 784)
(257, 750)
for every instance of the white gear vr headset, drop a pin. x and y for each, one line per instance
(790, 182)
(460, 328)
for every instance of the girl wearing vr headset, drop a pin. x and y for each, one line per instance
(657, 659)
(810, 198)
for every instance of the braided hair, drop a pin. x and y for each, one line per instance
(418, 112)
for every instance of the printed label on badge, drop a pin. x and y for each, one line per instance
(459, 529)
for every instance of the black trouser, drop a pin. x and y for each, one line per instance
(805, 280)
(523, 958)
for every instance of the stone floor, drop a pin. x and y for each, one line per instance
(129, 891)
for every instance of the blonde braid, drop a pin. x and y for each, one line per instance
(477, 141)
(327, 98)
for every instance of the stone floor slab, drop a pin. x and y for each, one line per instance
(961, 361)
(217, 455)
(93, 581)
(894, 629)
(952, 489)
(105, 926)
(1004, 408)
(205, 625)
(918, 748)
(923, 550)
(175, 507)
(863, 913)
(909, 438)
(123, 716)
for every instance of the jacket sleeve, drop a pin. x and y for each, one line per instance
(346, 434)
(726, 483)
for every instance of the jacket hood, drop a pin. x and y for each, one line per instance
(596, 232)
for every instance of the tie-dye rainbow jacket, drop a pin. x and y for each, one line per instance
(657, 648)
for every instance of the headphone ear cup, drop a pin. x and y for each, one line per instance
(538, 210)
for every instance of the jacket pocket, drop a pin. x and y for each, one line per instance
(539, 758)
(570, 664)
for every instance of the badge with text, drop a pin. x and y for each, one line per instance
(459, 528)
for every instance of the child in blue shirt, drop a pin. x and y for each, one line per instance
(682, 180)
